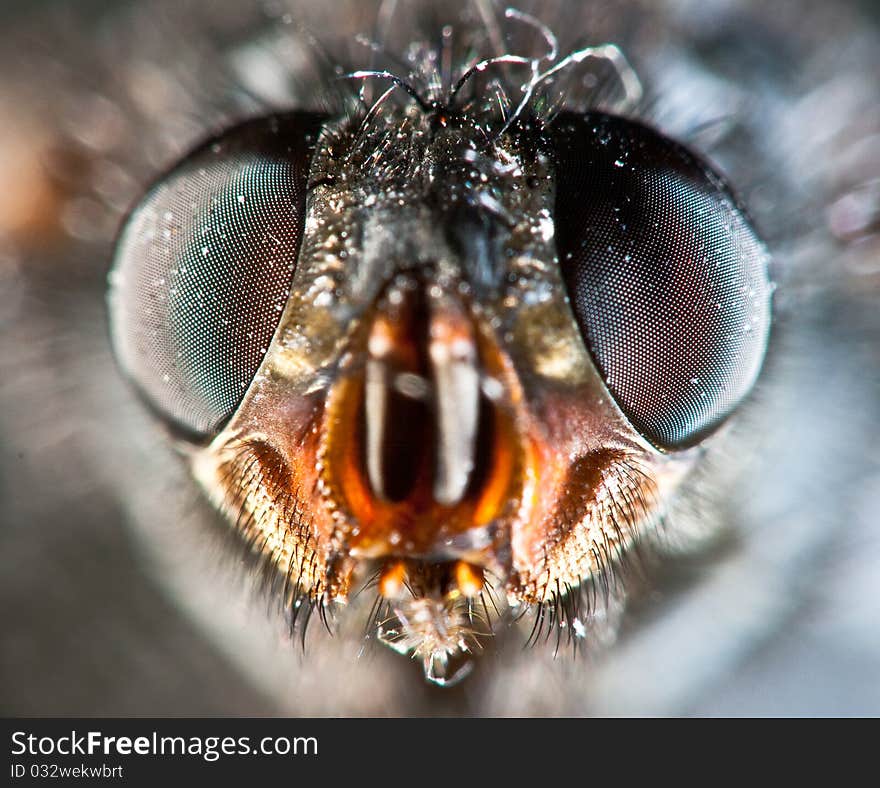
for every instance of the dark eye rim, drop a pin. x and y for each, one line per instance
(202, 144)
(699, 160)
(314, 123)
(553, 134)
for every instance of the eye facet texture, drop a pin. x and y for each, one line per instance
(203, 268)
(666, 277)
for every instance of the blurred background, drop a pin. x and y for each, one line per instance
(117, 594)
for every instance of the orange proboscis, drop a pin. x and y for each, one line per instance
(415, 524)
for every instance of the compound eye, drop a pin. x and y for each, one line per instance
(203, 269)
(666, 277)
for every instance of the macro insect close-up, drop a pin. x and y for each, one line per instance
(411, 358)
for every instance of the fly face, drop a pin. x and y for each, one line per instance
(465, 364)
